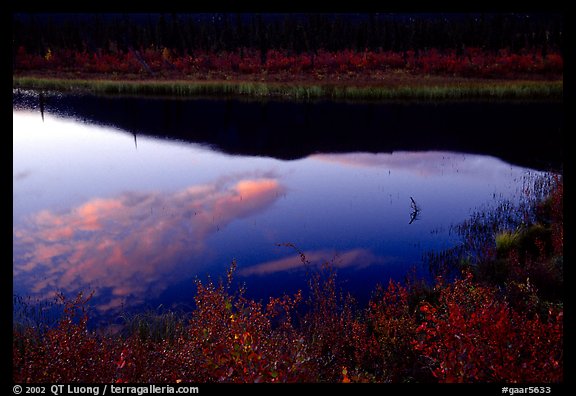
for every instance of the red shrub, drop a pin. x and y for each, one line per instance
(393, 327)
(231, 339)
(473, 336)
(67, 353)
(474, 62)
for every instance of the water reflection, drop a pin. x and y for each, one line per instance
(293, 130)
(134, 241)
(422, 164)
(137, 224)
(358, 258)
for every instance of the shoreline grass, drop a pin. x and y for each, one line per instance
(410, 90)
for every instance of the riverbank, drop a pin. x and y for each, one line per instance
(384, 88)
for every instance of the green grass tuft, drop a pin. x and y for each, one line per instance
(500, 90)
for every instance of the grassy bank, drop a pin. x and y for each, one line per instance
(417, 89)
(499, 320)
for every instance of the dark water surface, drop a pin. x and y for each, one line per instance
(135, 198)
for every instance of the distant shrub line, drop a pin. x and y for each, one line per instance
(471, 62)
(469, 73)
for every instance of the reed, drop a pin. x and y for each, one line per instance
(489, 90)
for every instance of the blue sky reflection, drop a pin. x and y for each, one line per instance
(92, 210)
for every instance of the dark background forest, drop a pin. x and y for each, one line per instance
(295, 33)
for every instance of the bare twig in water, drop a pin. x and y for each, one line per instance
(415, 211)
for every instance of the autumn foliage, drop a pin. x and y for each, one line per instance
(165, 62)
(468, 329)
(473, 334)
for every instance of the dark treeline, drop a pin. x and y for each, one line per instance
(296, 33)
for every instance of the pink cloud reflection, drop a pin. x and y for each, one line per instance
(349, 258)
(423, 163)
(131, 244)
